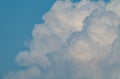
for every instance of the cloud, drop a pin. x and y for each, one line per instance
(30, 73)
(76, 41)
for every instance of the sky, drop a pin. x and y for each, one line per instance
(17, 19)
(21, 22)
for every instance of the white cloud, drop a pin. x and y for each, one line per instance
(30, 73)
(76, 41)
(114, 6)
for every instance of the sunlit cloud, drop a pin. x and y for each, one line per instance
(78, 40)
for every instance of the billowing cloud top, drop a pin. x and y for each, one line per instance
(76, 41)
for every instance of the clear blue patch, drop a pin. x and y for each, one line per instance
(107, 1)
(75, 1)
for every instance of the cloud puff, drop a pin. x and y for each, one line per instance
(76, 41)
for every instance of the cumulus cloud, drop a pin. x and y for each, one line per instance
(76, 41)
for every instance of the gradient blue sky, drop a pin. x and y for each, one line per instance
(17, 19)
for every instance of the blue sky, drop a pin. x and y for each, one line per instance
(17, 19)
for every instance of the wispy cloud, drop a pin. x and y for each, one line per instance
(76, 41)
